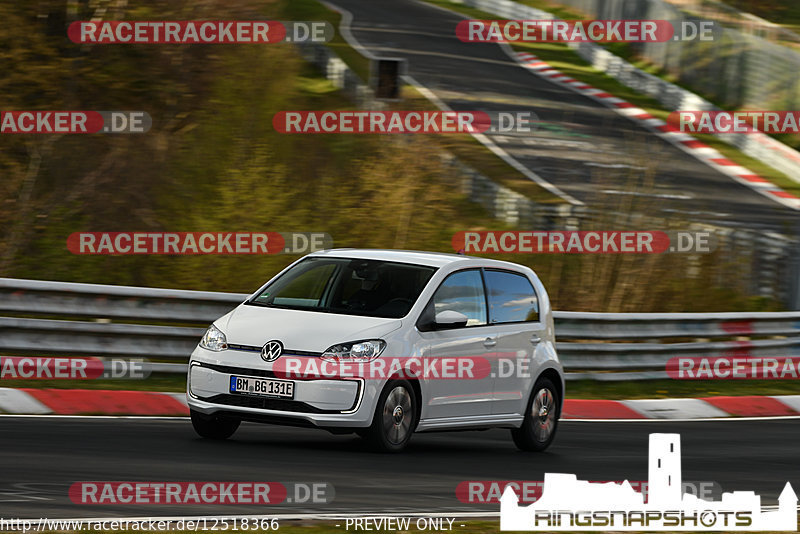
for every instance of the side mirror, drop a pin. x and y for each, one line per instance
(450, 319)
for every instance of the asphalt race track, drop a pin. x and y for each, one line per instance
(588, 147)
(42, 456)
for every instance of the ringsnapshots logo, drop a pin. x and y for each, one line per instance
(569, 504)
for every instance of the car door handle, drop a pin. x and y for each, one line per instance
(535, 339)
(489, 342)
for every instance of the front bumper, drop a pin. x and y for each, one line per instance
(322, 402)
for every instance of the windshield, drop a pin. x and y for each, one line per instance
(348, 286)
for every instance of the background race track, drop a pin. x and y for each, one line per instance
(593, 149)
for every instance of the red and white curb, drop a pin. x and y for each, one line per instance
(91, 402)
(684, 141)
(111, 402)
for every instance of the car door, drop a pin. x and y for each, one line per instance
(514, 313)
(463, 292)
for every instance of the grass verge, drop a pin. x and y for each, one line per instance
(313, 10)
(786, 13)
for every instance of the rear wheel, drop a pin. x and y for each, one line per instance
(212, 426)
(541, 418)
(395, 418)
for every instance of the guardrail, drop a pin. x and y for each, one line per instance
(594, 346)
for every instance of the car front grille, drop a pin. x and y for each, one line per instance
(265, 403)
(257, 401)
(286, 352)
(243, 371)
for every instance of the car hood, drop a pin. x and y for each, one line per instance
(300, 330)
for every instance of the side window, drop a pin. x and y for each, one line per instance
(511, 297)
(462, 292)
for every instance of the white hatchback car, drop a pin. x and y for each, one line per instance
(385, 343)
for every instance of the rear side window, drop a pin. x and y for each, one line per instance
(511, 296)
(462, 292)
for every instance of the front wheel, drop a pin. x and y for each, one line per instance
(394, 419)
(541, 418)
(213, 427)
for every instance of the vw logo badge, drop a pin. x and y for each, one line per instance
(271, 350)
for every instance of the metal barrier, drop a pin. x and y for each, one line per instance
(595, 346)
(36, 297)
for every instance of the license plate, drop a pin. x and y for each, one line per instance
(262, 386)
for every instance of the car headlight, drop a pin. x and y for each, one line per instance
(360, 351)
(214, 339)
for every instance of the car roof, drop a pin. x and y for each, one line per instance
(418, 257)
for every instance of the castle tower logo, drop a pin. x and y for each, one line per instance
(571, 504)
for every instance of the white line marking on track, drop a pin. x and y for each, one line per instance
(186, 418)
(673, 196)
(57, 416)
(706, 419)
(492, 146)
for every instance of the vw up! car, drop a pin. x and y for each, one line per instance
(366, 310)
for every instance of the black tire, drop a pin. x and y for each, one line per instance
(213, 427)
(538, 430)
(395, 418)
